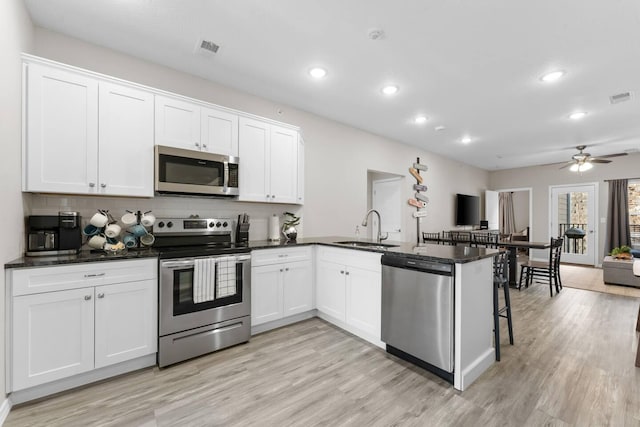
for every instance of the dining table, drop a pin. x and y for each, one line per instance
(513, 247)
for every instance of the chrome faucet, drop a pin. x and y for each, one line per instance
(379, 236)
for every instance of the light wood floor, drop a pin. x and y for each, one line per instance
(572, 364)
(590, 278)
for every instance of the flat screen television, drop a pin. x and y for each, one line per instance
(467, 210)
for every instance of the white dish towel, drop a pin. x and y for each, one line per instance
(204, 280)
(226, 276)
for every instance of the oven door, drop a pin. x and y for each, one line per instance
(195, 172)
(195, 292)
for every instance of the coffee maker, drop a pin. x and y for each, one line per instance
(54, 234)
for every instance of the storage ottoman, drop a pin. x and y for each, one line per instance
(619, 272)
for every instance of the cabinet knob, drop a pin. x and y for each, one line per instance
(273, 196)
(92, 184)
(101, 295)
(87, 297)
(204, 145)
(347, 273)
(341, 271)
(286, 269)
(198, 144)
(103, 185)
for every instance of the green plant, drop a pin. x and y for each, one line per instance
(624, 249)
(291, 220)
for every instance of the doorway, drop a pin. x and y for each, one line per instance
(386, 198)
(573, 216)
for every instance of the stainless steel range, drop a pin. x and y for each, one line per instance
(205, 288)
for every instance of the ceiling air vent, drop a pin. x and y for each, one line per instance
(207, 47)
(620, 97)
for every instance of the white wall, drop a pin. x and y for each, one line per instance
(541, 177)
(16, 37)
(337, 156)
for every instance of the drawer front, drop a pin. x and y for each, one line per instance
(351, 257)
(48, 279)
(277, 256)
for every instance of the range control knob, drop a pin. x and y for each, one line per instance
(160, 224)
(212, 224)
(224, 224)
(170, 224)
(218, 224)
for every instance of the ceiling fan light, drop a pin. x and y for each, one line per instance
(574, 167)
(586, 166)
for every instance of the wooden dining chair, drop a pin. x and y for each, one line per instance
(485, 240)
(431, 237)
(447, 238)
(460, 237)
(544, 271)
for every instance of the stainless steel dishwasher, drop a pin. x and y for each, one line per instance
(417, 312)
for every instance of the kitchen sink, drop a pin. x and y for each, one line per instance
(370, 245)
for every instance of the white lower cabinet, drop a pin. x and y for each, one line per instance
(281, 284)
(349, 290)
(104, 318)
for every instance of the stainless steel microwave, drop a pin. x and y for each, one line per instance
(180, 171)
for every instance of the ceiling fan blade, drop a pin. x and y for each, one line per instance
(611, 155)
(569, 163)
(596, 160)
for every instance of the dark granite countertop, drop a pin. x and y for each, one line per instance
(83, 256)
(430, 252)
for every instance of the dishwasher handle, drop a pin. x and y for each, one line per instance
(408, 263)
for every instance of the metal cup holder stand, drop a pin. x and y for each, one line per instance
(139, 246)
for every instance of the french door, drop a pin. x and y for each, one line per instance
(573, 217)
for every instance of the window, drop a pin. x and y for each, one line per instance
(634, 213)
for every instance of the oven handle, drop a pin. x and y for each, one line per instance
(191, 261)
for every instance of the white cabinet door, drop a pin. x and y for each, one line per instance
(300, 183)
(52, 336)
(61, 151)
(177, 123)
(126, 321)
(297, 288)
(266, 293)
(254, 165)
(126, 141)
(219, 132)
(364, 300)
(330, 289)
(283, 165)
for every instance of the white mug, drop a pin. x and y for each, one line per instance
(99, 220)
(148, 219)
(112, 230)
(129, 219)
(97, 242)
(147, 239)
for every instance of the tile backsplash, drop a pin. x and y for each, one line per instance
(163, 206)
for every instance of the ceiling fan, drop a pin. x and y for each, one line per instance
(582, 161)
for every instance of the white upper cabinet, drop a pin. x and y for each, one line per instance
(61, 150)
(86, 136)
(183, 124)
(219, 132)
(125, 150)
(300, 198)
(177, 123)
(268, 162)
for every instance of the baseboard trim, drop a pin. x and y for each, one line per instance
(5, 408)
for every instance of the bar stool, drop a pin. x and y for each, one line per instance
(501, 278)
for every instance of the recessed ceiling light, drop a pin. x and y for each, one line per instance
(420, 120)
(317, 72)
(390, 89)
(439, 128)
(577, 115)
(465, 139)
(552, 76)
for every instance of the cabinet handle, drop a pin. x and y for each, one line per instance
(94, 275)
(87, 297)
(273, 196)
(92, 184)
(101, 295)
(341, 271)
(280, 270)
(103, 185)
(198, 144)
(204, 145)
(347, 273)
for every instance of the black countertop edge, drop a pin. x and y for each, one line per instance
(430, 252)
(83, 256)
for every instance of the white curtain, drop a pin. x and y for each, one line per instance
(507, 213)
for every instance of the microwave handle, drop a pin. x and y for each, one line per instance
(226, 175)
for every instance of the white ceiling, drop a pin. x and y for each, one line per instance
(471, 66)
